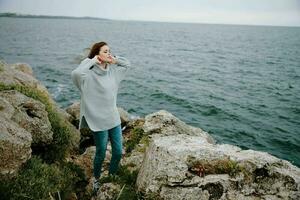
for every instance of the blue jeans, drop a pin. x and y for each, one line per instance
(101, 140)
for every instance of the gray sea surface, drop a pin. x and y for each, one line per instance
(239, 83)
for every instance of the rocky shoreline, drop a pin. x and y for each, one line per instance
(44, 156)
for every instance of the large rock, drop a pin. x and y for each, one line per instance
(20, 74)
(23, 67)
(158, 124)
(15, 145)
(185, 166)
(164, 123)
(28, 114)
(21, 114)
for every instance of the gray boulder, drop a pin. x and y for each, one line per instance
(29, 114)
(15, 148)
(20, 74)
(165, 123)
(22, 115)
(23, 67)
(156, 125)
(189, 166)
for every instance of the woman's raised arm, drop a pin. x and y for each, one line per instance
(78, 74)
(122, 67)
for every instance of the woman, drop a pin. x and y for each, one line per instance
(98, 78)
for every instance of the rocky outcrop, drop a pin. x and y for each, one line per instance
(25, 107)
(164, 123)
(186, 165)
(163, 157)
(20, 74)
(30, 115)
(159, 124)
(15, 145)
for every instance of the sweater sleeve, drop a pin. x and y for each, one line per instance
(122, 67)
(78, 75)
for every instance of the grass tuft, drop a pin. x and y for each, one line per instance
(39, 180)
(218, 166)
(123, 177)
(135, 137)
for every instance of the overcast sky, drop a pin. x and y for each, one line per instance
(260, 12)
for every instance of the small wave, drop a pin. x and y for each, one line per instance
(270, 63)
(216, 97)
(211, 51)
(281, 130)
(133, 117)
(247, 134)
(296, 110)
(58, 91)
(131, 110)
(51, 80)
(283, 117)
(184, 50)
(211, 110)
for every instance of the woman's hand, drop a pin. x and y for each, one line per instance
(112, 60)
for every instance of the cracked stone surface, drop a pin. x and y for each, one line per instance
(166, 172)
(29, 114)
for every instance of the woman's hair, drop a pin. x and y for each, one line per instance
(95, 49)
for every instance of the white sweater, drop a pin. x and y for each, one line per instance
(98, 88)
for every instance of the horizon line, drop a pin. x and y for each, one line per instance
(20, 15)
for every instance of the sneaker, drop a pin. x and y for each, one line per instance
(96, 186)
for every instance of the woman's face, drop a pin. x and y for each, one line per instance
(105, 52)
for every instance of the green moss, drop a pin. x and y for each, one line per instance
(126, 178)
(61, 144)
(218, 166)
(135, 137)
(145, 143)
(39, 180)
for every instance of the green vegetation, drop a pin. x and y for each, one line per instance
(135, 137)
(39, 180)
(145, 143)
(127, 179)
(46, 174)
(218, 166)
(60, 146)
(124, 178)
